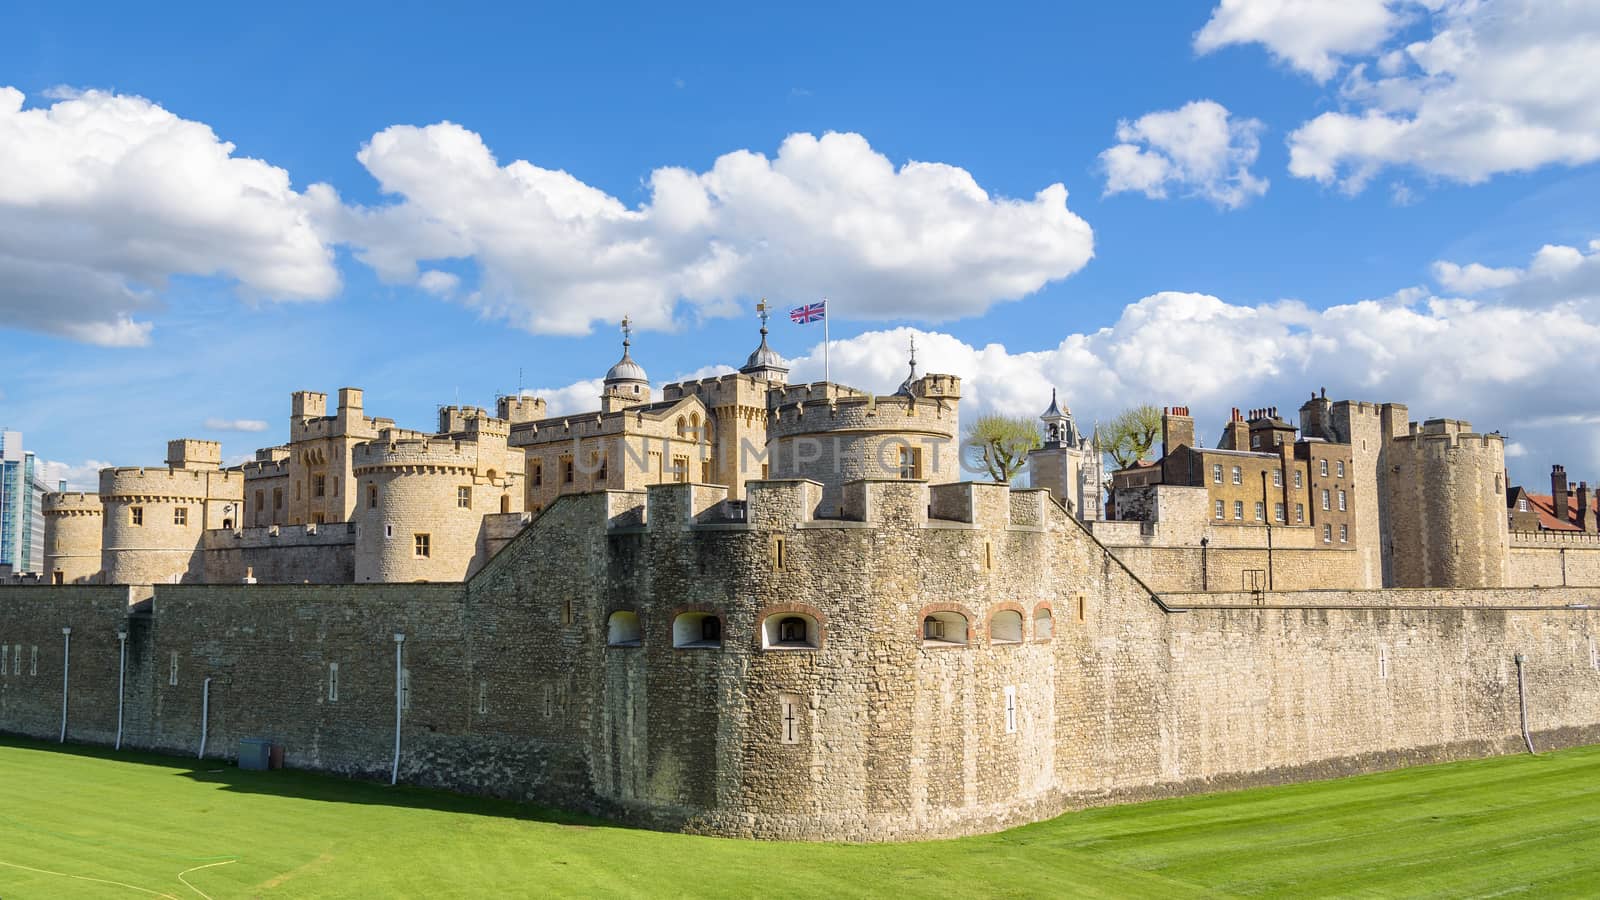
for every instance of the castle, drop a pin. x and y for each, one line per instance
(850, 644)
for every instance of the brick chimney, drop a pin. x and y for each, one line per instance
(1558, 492)
(1585, 519)
(1177, 429)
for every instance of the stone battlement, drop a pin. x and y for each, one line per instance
(268, 536)
(407, 452)
(863, 413)
(70, 503)
(163, 482)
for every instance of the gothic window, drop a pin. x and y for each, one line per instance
(1005, 627)
(599, 460)
(536, 476)
(566, 470)
(277, 498)
(622, 629)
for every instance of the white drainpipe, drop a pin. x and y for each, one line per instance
(205, 715)
(122, 674)
(399, 705)
(66, 670)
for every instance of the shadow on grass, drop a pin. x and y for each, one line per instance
(319, 786)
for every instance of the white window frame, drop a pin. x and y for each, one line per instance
(1297, 482)
(1343, 503)
(1216, 473)
(1238, 475)
(1340, 468)
(1344, 533)
(1278, 513)
(1261, 511)
(1327, 499)
(1238, 510)
(1327, 532)
(1222, 511)
(1277, 478)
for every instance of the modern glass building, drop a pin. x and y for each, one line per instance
(22, 492)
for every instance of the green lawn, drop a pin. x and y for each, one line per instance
(1508, 825)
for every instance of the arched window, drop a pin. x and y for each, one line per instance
(944, 628)
(790, 631)
(1005, 627)
(697, 630)
(622, 629)
(1044, 624)
(683, 427)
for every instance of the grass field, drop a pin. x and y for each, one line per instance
(138, 823)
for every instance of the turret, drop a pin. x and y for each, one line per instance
(764, 363)
(626, 383)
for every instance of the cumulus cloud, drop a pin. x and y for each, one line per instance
(1198, 149)
(1505, 366)
(235, 425)
(1310, 35)
(104, 197)
(827, 216)
(1555, 273)
(84, 476)
(1495, 87)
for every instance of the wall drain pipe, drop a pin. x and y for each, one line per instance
(399, 705)
(205, 715)
(1522, 701)
(66, 671)
(122, 676)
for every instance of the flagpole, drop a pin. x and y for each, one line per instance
(827, 375)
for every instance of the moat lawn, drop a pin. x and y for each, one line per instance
(78, 822)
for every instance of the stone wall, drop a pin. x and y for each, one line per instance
(282, 554)
(1550, 558)
(561, 673)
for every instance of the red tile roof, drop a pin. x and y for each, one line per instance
(1545, 506)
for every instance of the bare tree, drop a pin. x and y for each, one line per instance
(1129, 437)
(999, 445)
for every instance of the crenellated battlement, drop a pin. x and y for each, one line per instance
(816, 390)
(410, 452)
(72, 503)
(862, 412)
(731, 389)
(153, 481)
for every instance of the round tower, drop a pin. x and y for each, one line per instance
(836, 435)
(154, 519)
(1447, 507)
(72, 524)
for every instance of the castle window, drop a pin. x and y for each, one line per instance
(1238, 475)
(566, 612)
(705, 471)
(319, 485)
(910, 463)
(333, 682)
(180, 515)
(1300, 512)
(566, 470)
(1344, 534)
(5, 657)
(172, 669)
(1011, 709)
(421, 545)
(59, 577)
(1044, 624)
(16, 660)
(1277, 478)
(1325, 500)
(600, 471)
(1261, 511)
(1341, 501)
(1220, 512)
(790, 631)
(388, 531)
(1341, 468)
(1277, 512)
(622, 629)
(988, 554)
(372, 496)
(683, 427)
(536, 476)
(483, 698)
(1327, 533)
(261, 502)
(135, 515)
(697, 630)
(1322, 466)
(680, 469)
(1238, 510)
(1005, 627)
(505, 503)
(778, 559)
(1083, 607)
(1297, 482)
(464, 497)
(944, 629)
(1383, 662)
(788, 719)
(1216, 473)
(33, 660)
(277, 498)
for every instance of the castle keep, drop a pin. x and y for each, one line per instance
(831, 636)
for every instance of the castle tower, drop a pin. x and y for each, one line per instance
(72, 526)
(1447, 507)
(1066, 465)
(764, 363)
(833, 434)
(626, 382)
(154, 518)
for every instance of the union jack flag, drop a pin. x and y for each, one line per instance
(811, 312)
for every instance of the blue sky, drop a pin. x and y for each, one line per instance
(1300, 159)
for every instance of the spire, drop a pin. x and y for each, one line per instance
(627, 334)
(1059, 429)
(626, 370)
(905, 386)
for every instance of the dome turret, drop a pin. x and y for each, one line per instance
(626, 382)
(764, 362)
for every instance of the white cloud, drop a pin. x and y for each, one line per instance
(1197, 149)
(1496, 87)
(437, 283)
(104, 197)
(1515, 367)
(1310, 35)
(826, 216)
(578, 397)
(235, 425)
(84, 476)
(1555, 273)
